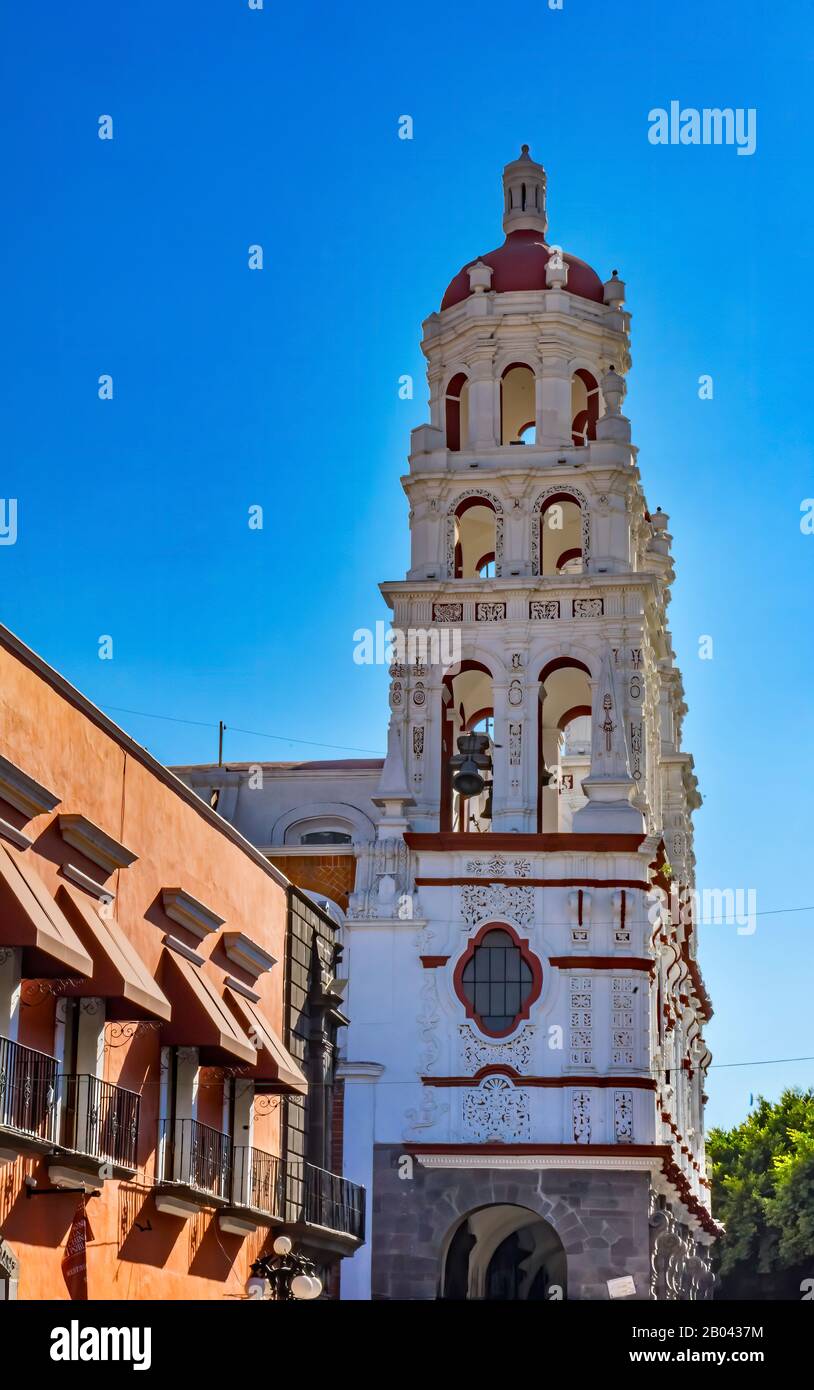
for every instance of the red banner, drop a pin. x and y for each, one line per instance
(74, 1261)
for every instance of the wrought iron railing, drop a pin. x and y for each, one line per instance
(28, 1088)
(99, 1119)
(259, 1181)
(197, 1156)
(320, 1198)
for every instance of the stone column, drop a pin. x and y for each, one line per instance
(554, 400)
(483, 424)
(359, 1131)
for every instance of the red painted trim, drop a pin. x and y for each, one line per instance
(475, 501)
(639, 884)
(634, 1083)
(602, 963)
(562, 663)
(567, 555)
(532, 961)
(433, 962)
(662, 1151)
(444, 840)
(486, 713)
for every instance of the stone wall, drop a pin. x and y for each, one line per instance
(600, 1216)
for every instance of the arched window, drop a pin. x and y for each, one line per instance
(561, 535)
(564, 700)
(517, 404)
(326, 837)
(457, 412)
(584, 407)
(498, 980)
(475, 536)
(467, 707)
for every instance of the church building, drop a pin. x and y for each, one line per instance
(523, 1072)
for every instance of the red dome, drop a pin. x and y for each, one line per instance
(520, 264)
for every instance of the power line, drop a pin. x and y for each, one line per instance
(233, 728)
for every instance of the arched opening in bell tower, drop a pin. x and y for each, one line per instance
(563, 742)
(506, 1253)
(475, 538)
(517, 405)
(456, 403)
(584, 407)
(561, 535)
(467, 707)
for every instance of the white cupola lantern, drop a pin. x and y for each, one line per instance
(524, 185)
(614, 291)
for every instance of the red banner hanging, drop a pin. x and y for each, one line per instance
(74, 1261)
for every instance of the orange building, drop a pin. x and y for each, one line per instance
(144, 1066)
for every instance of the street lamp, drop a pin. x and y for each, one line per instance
(292, 1276)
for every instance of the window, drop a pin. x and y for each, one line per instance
(497, 982)
(326, 837)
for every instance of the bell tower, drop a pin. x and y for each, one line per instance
(524, 906)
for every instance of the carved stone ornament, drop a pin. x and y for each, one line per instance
(480, 1052)
(497, 1111)
(480, 901)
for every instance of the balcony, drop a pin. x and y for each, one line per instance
(258, 1183)
(99, 1121)
(325, 1208)
(28, 1088)
(195, 1164)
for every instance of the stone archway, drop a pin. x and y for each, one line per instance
(503, 1252)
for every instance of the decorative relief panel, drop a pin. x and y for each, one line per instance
(418, 741)
(490, 612)
(515, 753)
(636, 749)
(428, 1020)
(498, 867)
(579, 905)
(547, 610)
(623, 1116)
(581, 1020)
(621, 921)
(581, 1116)
(447, 612)
(479, 1052)
(623, 1022)
(588, 607)
(480, 901)
(497, 1111)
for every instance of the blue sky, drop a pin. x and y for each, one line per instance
(280, 388)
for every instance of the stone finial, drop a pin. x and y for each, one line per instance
(613, 390)
(556, 270)
(480, 277)
(392, 793)
(614, 291)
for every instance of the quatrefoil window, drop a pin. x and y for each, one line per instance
(498, 980)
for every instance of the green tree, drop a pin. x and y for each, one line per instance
(763, 1192)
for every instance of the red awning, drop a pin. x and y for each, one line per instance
(274, 1061)
(119, 974)
(199, 1016)
(30, 918)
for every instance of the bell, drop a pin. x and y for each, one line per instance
(470, 763)
(467, 780)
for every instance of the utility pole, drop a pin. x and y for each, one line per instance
(221, 732)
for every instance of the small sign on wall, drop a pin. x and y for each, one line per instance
(625, 1287)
